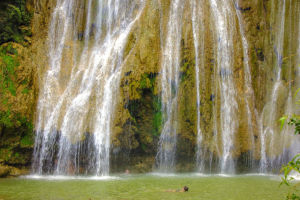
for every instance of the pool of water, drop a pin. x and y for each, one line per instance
(146, 186)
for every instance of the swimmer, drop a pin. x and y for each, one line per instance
(184, 189)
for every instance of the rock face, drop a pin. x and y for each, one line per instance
(23, 55)
(258, 50)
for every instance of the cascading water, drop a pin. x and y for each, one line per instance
(169, 86)
(224, 26)
(269, 130)
(75, 107)
(289, 141)
(80, 89)
(198, 33)
(249, 93)
(279, 146)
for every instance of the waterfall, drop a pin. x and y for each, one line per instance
(269, 131)
(169, 88)
(296, 141)
(76, 103)
(249, 94)
(290, 142)
(80, 89)
(198, 33)
(224, 26)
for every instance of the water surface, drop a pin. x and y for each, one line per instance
(149, 186)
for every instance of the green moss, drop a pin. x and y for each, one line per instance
(6, 119)
(26, 141)
(25, 91)
(17, 155)
(8, 66)
(147, 81)
(186, 69)
(5, 154)
(157, 119)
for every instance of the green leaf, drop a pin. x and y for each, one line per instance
(282, 121)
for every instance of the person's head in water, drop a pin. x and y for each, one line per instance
(185, 188)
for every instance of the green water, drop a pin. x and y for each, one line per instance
(144, 187)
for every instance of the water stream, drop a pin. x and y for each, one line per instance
(224, 24)
(83, 106)
(198, 37)
(79, 92)
(269, 130)
(169, 86)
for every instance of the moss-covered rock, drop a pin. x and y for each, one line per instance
(8, 171)
(138, 118)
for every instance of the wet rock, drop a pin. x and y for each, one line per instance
(242, 9)
(9, 171)
(80, 36)
(4, 171)
(260, 54)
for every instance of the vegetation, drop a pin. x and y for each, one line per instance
(8, 66)
(16, 130)
(14, 21)
(294, 165)
(157, 120)
(7, 75)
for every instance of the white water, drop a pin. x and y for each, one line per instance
(269, 131)
(198, 36)
(169, 85)
(78, 97)
(248, 90)
(68, 114)
(290, 142)
(224, 25)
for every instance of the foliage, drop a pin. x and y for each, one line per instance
(16, 130)
(26, 141)
(7, 73)
(294, 164)
(15, 20)
(5, 119)
(8, 66)
(294, 121)
(292, 196)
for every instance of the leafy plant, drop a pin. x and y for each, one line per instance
(294, 121)
(14, 19)
(293, 165)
